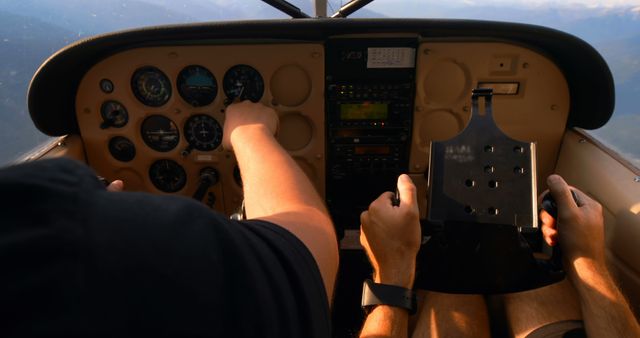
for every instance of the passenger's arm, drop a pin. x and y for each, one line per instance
(275, 188)
(391, 238)
(580, 232)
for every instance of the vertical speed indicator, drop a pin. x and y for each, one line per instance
(243, 82)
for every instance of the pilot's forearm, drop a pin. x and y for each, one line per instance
(277, 190)
(389, 321)
(605, 311)
(273, 182)
(386, 321)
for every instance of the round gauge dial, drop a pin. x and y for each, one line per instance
(114, 114)
(243, 82)
(151, 86)
(167, 175)
(160, 133)
(197, 86)
(203, 132)
(122, 149)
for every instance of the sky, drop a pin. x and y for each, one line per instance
(520, 3)
(565, 3)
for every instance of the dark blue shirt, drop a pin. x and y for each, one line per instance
(76, 260)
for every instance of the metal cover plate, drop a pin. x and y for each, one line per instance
(482, 175)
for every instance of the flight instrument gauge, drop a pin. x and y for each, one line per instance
(203, 132)
(197, 86)
(167, 175)
(160, 133)
(243, 82)
(122, 149)
(151, 86)
(114, 114)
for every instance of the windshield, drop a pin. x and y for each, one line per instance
(32, 30)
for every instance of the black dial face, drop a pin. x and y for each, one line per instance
(160, 133)
(243, 82)
(122, 149)
(114, 114)
(203, 132)
(167, 175)
(151, 86)
(197, 86)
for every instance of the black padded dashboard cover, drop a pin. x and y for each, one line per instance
(51, 96)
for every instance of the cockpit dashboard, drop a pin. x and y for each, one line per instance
(359, 101)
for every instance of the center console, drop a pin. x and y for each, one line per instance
(370, 90)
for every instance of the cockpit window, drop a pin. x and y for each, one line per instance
(611, 26)
(31, 30)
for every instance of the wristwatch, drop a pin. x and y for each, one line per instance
(382, 294)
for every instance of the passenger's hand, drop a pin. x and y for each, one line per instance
(579, 228)
(115, 186)
(391, 235)
(247, 114)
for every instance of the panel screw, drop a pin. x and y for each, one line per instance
(636, 179)
(582, 140)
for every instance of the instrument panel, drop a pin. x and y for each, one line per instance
(153, 116)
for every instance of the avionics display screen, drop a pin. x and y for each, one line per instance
(369, 150)
(364, 111)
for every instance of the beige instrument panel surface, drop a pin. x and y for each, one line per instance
(293, 84)
(293, 76)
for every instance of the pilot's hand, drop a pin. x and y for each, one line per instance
(247, 114)
(391, 235)
(115, 186)
(579, 228)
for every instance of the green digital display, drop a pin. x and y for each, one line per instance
(364, 111)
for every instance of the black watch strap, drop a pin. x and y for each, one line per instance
(383, 294)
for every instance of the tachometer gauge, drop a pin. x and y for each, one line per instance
(114, 114)
(167, 175)
(160, 133)
(203, 132)
(122, 149)
(151, 86)
(243, 82)
(197, 86)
